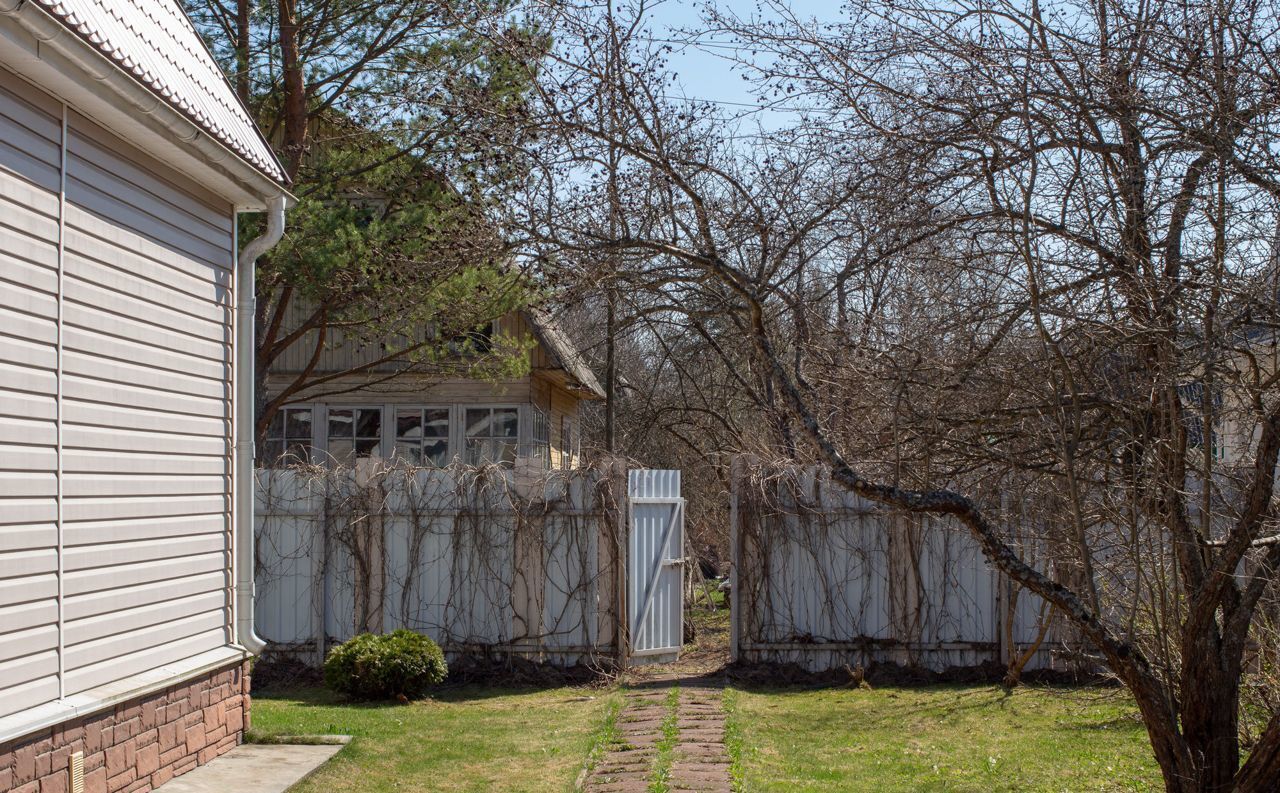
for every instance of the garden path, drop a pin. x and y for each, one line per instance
(669, 736)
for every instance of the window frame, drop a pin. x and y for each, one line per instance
(285, 440)
(568, 435)
(457, 437)
(382, 431)
(448, 438)
(521, 424)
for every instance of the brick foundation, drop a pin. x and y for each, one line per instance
(135, 745)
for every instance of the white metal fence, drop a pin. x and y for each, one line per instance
(485, 561)
(823, 578)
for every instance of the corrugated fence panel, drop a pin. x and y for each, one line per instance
(476, 561)
(30, 144)
(827, 579)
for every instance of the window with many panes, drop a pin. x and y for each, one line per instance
(354, 433)
(540, 436)
(567, 451)
(422, 436)
(491, 435)
(288, 438)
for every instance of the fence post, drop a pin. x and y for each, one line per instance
(735, 614)
(576, 483)
(320, 562)
(622, 498)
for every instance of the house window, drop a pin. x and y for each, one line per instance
(288, 438)
(1193, 419)
(566, 442)
(540, 436)
(354, 433)
(491, 435)
(422, 436)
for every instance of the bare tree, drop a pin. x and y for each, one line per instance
(1011, 248)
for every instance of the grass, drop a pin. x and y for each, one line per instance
(937, 738)
(666, 745)
(733, 742)
(463, 739)
(604, 738)
(932, 738)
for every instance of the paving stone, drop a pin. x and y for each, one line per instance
(648, 725)
(701, 787)
(628, 786)
(700, 720)
(631, 755)
(699, 746)
(641, 741)
(606, 768)
(680, 767)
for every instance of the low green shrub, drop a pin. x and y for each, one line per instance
(400, 663)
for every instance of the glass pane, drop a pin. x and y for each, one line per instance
(297, 424)
(506, 423)
(368, 423)
(342, 452)
(409, 423)
(475, 452)
(437, 423)
(297, 452)
(340, 422)
(409, 451)
(435, 453)
(504, 452)
(270, 453)
(276, 428)
(477, 422)
(367, 447)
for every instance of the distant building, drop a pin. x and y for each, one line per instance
(431, 422)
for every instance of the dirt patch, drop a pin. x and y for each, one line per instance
(282, 672)
(705, 653)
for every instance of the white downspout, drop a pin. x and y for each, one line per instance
(245, 421)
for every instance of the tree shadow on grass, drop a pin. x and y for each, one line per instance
(894, 704)
(313, 696)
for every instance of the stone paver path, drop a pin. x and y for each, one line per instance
(646, 756)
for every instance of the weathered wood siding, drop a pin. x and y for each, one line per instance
(144, 438)
(561, 408)
(340, 354)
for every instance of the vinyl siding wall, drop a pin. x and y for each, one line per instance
(142, 551)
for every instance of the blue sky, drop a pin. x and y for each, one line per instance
(706, 72)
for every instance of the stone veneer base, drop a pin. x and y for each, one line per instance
(135, 745)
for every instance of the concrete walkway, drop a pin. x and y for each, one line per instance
(676, 745)
(254, 768)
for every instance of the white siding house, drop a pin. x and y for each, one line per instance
(124, 160)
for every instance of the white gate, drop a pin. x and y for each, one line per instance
(655, 566)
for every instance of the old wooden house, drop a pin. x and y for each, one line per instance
(431, 421)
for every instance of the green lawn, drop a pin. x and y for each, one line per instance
(933, 738)
(464, 739)
(938, 738)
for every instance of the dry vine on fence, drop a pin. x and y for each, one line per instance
(495, 564)
(826, 580)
